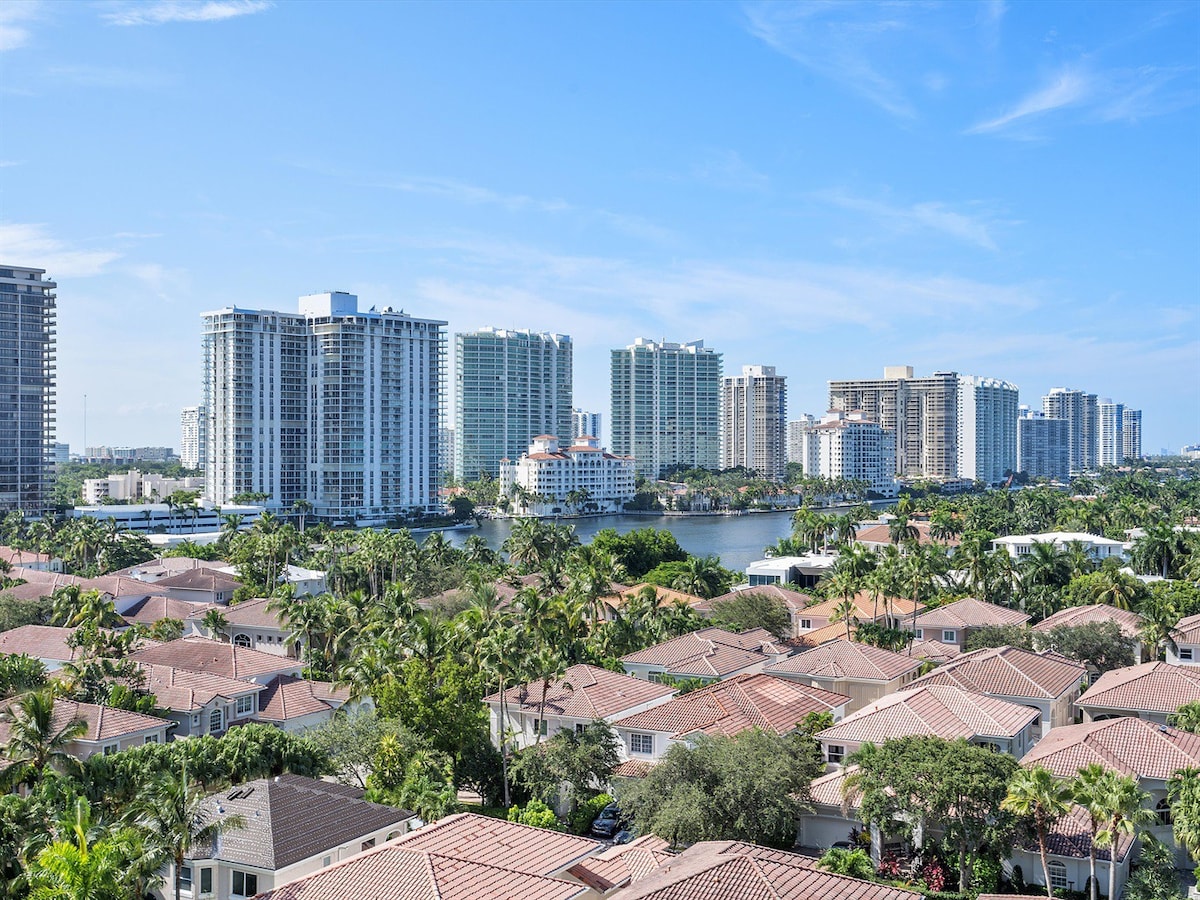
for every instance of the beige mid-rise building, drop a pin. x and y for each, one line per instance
(754, 421)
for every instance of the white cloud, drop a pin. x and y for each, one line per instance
(14, 18)
(32, 245)
(163, 11)
(920, 216)
(1067, 88)
(470, 194)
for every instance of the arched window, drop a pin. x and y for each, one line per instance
(215, 721)
(1162, 810)
(241, 640)
(1058, 874)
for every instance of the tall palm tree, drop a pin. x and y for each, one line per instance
(701, 577)
(1159, 621)
(1159, 550)
(1184, 792)
(1122, 808)
(1035, 793)
(1091, 786)
(38, 738)
(80, 868)
(845, 611)
(174, 813)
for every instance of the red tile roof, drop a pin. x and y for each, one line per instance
(1154, 687)
(40, 642)
(253, 614)
(585, 692)
(15, 557)
(793, 600)
(103, 723)
(1071, 836)
(867, 608)
(288, 697)
(933, 651)
(623, 864)
(730, 707)
(970, 613)
(183, 690)
(151, 609)
(881, 534)
(936, 709)
(847, 659)
(1010, 672)
(710, 652)
(1125, 744)
(1188, 630)
(215, 657)
(1129, 622)
(723, 871)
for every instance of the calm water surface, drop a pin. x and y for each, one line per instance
(737, 540)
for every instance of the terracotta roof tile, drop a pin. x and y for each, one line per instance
(1129, 622)
(288, 697)
(204, 655)
(151, 609)
(623, 864)
(936, 709)
(934, 651)
(710, 652)
(793, 600)
(104, 723)
(847, 659)
(40, 642)
(585, 692)
(1127, 745)
(970, 613)
(254, 614)
(867, 608)
(1009, 671)
(1154, 687)
(183, 690)
(1188, 630)
(1071, 836)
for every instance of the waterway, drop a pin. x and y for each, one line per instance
(737, 540)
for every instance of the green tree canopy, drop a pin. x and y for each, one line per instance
(748, 609)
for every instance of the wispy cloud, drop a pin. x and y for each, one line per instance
(837, 41)
(927, 216)
(9, 163)
(1068, 87)
(109, 77)
(15, 16)
(35, 246)
(462, 192)
(161, 12)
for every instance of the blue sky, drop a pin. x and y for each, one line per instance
(1003, 189)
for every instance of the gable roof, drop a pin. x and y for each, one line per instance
(730, 707)
(1154, 687)
(622, 864)
(1128, 621)
(1188, 630)
(708, 652)
(103, 723)
(20, 558)
(288, 697)
(882, 534)
(585, 692)
(933, 651)
(666, 595)
(866, 607)
(720, 870)
(209, 580)
(970, 613)
(1011, 672)
(291, 818)
(182, 690)
(215, 657)
(934, 709)
(40, 642)
(151, 609)
(847, 659)
(1127, 745)
(253, 614)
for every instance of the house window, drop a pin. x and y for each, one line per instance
(579, 727)
(1162, 810)
(241, 640)
(539, 727)
(367, 845)
(1185, 653)
(806, 623)
(245, 705)
(206, 881)
(110, 749)
(948, 637)
(215, 720)
(1058, 875)
(836, 753)
(245, 884)
(185, 878)
(641, 743)
(327, 861)
(151, 739)
(919, 634)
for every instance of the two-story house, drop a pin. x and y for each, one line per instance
(710, 654)
(953, 623)
(106, 729)
(201, 703)
(1186, 651)
(859, 671)
(1150, 691)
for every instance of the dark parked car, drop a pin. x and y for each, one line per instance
(608, 822)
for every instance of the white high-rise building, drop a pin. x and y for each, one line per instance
(987, 428)
(1110, 432)
(510, 385)
(666, 405)
(27, 377)
(801, 445)
(856, 448)
(585, 424)
(193, 439)
(754, 421)
(331, 405)
(1079, 409)
(1043, 446)
(1132, 437)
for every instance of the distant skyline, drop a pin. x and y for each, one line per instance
(999, 189)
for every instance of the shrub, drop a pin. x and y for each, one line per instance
(586, 812)
(535, 813)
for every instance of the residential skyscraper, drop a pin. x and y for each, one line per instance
(27, 376)
(853, 447)
(1079, 409)
(510, 386)
(798, 444)
(754, 421)
(331, 405)
(666, 406)
(987, 428)
(1110, 432)
(1132, 433)
(585, 424)
(1043, 446)
(193, 438)
(923, 413)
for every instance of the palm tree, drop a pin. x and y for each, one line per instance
(1114, 588)
(215, 623)
(845, 612)
(1186, 718)
(1159, 621)
(1159, 550)
(174, 813)
(302, 508)
(1090, 786)
(701, 576)
(38, 738)
(1122, 808)
(80, 868)
(1184, 792)
(1035, 793)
